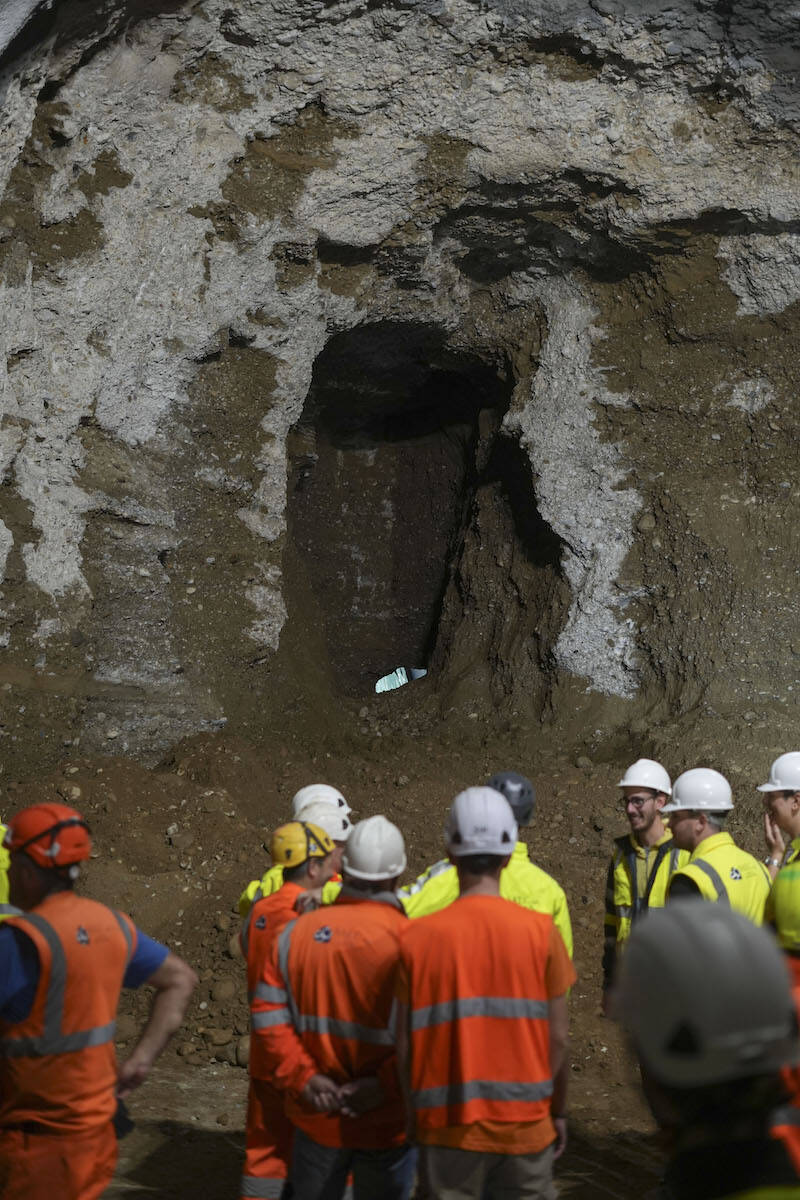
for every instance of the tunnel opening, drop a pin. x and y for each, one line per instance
(396, 465)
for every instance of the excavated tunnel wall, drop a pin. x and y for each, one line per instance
(342, 335)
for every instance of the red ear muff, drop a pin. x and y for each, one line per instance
(55, 849)
(52, 831)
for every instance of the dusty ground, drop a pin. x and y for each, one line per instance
(174, 847)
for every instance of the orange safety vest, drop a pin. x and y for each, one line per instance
(58, 1067)
(478, 1000)
(327, 1007)
(267, 917)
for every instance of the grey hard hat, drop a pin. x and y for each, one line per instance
(518, 791)
(706, 996)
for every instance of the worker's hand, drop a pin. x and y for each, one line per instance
(132, 1073)
(321, 1093)
(605, 1002)
(308, 901)
(361, 1096)
(773, 837)
(561, 1137)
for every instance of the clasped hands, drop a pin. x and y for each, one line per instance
(350, 1099)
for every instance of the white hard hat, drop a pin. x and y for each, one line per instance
(375, 850)
(334, 821)
(319, 793)
(648, 774)
(701, 789)
(784, 774)
(480, 822)
(705, 995)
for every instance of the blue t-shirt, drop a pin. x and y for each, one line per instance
(19, 969)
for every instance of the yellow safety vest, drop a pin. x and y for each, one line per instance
(638, 877)
(521, 881)
(783, 903)
(725, 874)
(271, 881)
(6, 910)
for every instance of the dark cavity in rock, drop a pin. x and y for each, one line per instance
(395, 502)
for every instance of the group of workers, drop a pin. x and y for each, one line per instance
(385, 1049)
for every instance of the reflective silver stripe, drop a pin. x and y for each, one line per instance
(716, 881)
(307, 1023)
(674, 859)
(787, 1115)
(65, 1044)
(623, 910)
(478, 1006)
(54, 1001)
(53, 1040)
(273, 995)
(126, 933)
(414, 888)
(261, 1188)
(264, 1020)
(389, 898)
(8, 910)
(482, 1089)
(284, 945)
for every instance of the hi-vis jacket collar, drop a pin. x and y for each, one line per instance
(356, 896)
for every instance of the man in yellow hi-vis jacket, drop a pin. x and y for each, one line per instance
(521, 881)
(718, 869)
(642, 862)
(782, 811)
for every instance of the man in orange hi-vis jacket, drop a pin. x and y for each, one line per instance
(63, 961)
(305, 854)
(482, 1024)
(324, 1018)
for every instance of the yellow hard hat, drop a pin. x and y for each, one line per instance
(298, 841)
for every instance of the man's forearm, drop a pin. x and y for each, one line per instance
(174, 982)
(558, 1105)
(166, 1017)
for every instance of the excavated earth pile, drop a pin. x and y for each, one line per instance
(342, 336)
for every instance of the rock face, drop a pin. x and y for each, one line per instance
(341, 336)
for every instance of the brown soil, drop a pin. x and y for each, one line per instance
(175, 846)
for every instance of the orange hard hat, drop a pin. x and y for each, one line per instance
(53, 835)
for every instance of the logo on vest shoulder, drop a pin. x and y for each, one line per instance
(323, 934)
(261, 922)
(736, 873)
(82, 936)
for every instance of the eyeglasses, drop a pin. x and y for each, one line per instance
(636, 801)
